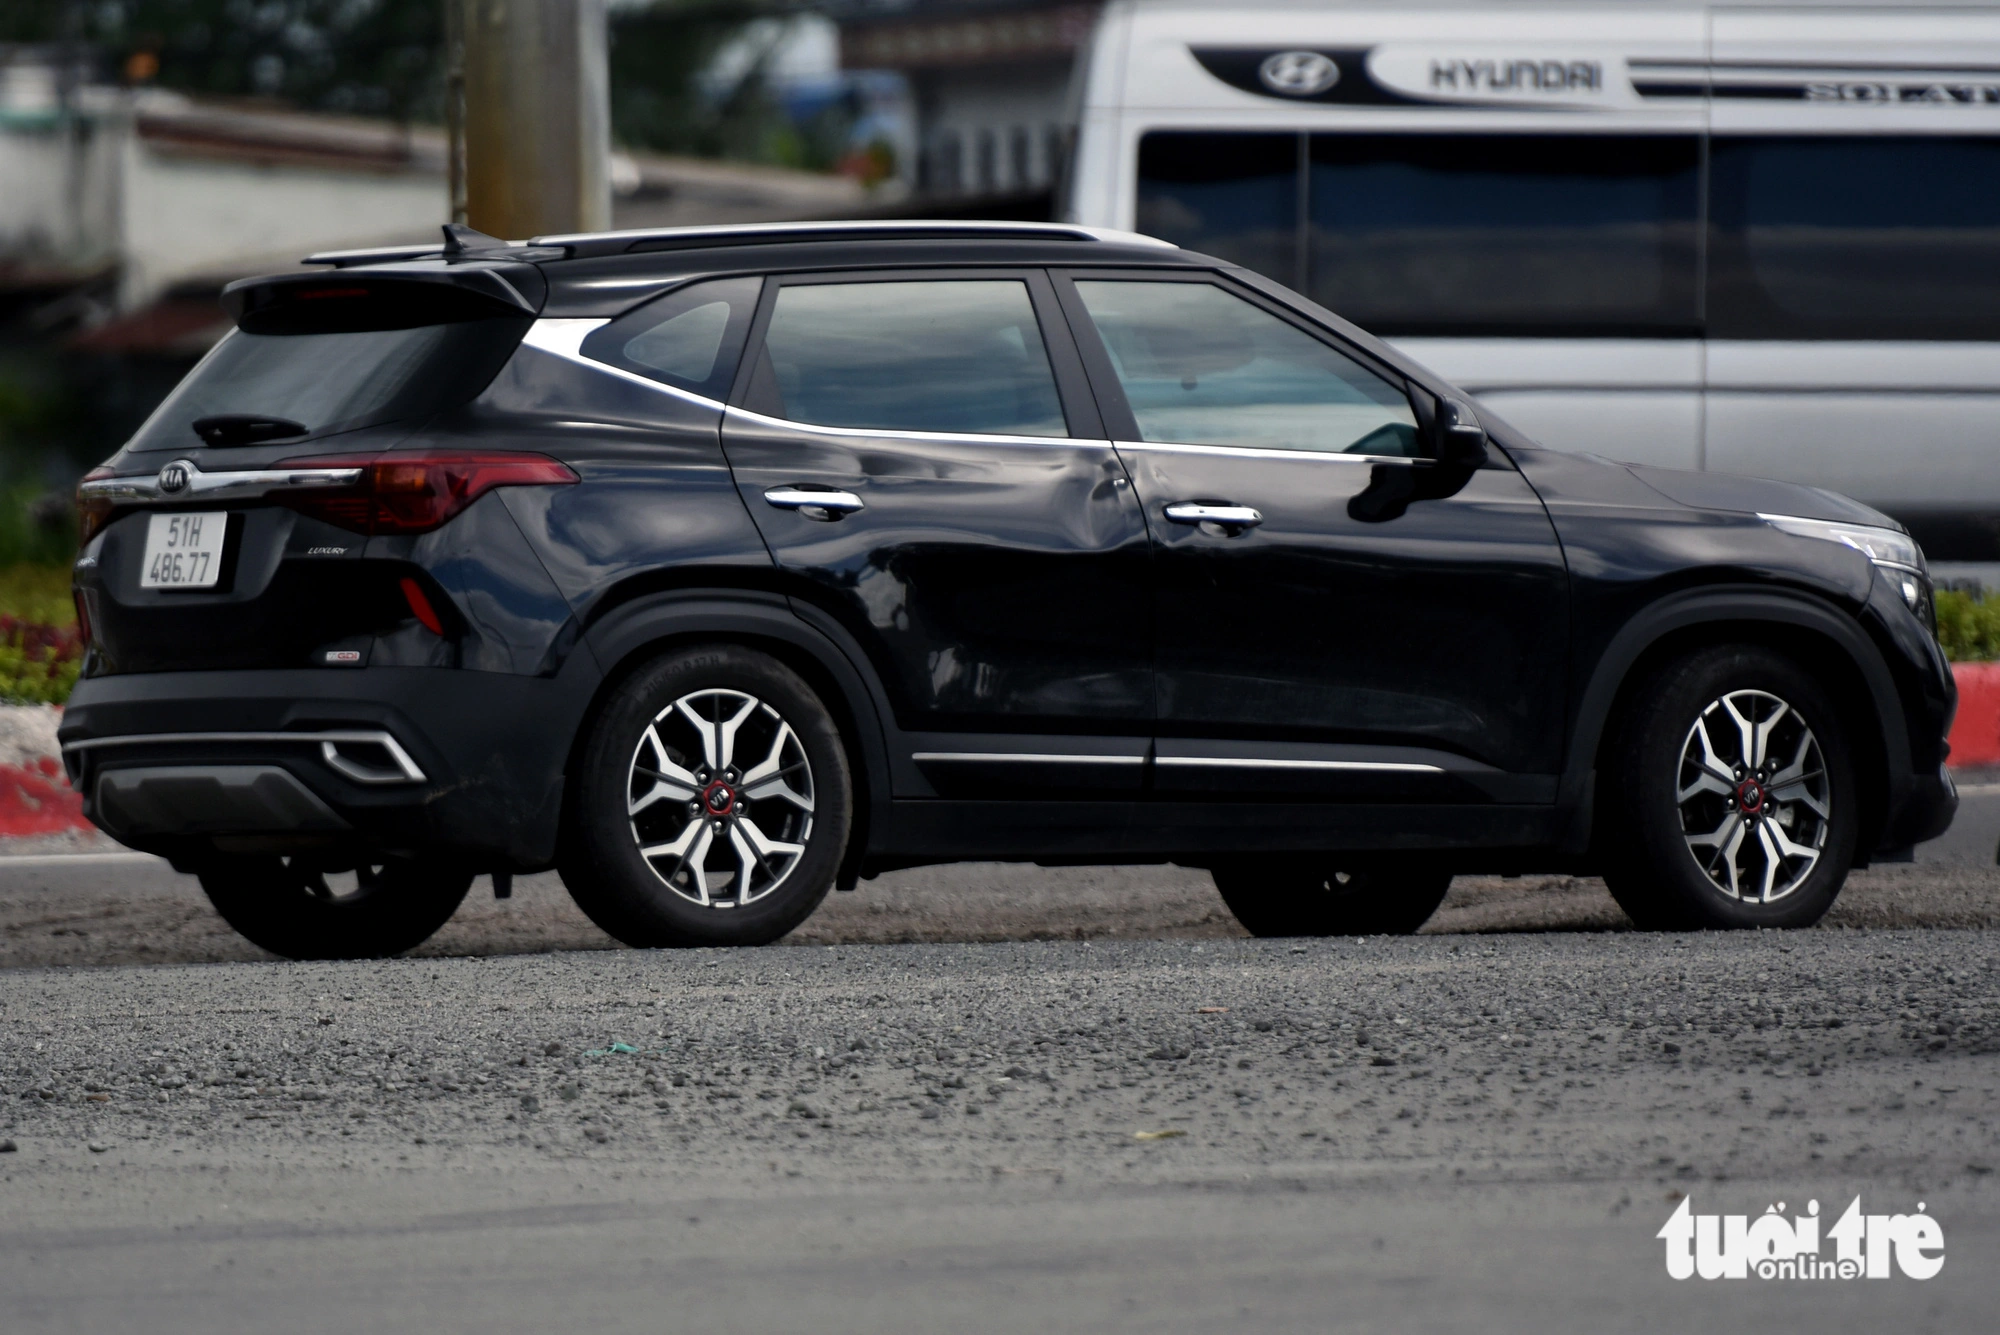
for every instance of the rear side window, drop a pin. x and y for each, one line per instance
(1855, 237)
(950, 355)
(692, 338)
(331, 383)
(1201, 366)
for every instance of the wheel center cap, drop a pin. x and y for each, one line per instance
(719, 798)
(1750, 795)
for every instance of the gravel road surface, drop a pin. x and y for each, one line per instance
(1476, 1129)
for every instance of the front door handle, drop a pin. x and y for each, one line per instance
(1233, 518)
(825, 506)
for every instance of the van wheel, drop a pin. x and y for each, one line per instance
(1308, 896)
(310, 909)
(712, 804)
(1730, 799)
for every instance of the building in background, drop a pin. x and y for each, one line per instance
(990, 83)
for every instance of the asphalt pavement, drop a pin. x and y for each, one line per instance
(1159, 1126)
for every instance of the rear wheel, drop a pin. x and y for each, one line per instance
(1729, 799)
(1317, 896)
(312, 909)
(712, 804)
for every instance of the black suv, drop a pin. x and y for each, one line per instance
(719, 568)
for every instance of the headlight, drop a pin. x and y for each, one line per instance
(1897, 553)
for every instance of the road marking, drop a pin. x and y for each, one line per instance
(1979, 790)
(76, 859)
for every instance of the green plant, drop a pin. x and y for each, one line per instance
(1969, 625)
(40, 645)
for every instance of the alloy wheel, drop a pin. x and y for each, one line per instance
(720, 796)
(1754, 796)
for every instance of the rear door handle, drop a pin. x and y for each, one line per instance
(1204, 512)
(825, 506)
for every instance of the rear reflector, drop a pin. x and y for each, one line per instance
(416, 492)
(420, 606)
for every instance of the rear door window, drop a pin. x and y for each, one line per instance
(1202, 366)
(332, 383)
(946, 355)
(1864, 236)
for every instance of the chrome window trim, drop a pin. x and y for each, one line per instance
(885, 433)
(1256, 452)
(410, 771)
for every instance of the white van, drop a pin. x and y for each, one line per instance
(1760, 239)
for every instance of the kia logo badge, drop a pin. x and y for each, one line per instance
(174, 478)
(1298, 73)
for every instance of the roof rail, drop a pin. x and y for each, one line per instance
(672, 238)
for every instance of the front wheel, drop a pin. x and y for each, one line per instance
(1308, 896)
(1729, 797)
(712, 804)
(311, 909)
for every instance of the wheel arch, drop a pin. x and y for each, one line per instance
(640, 630)
(1825, 643)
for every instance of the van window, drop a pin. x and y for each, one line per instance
(1855, 237)
(1445, 234)
(944, 355)
(1201, 366)
(1233, 196)
(1498, 233)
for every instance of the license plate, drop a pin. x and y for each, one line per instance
(184, 551)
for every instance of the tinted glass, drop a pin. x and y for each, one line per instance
(331, 383)
(950, 355)
(1860, 237)
(1234, 196)
(691, 338)
(1201, 366)
(1499, 233)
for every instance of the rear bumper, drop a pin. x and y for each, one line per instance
(435, 760)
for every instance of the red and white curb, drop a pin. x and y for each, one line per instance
(35, 797)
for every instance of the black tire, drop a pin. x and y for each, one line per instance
(1315, 896)
(1663, 783)
(617, 806)
(307, 910)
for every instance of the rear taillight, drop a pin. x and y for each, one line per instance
(91, 511)
(416, 492)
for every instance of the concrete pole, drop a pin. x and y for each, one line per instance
(537, 119)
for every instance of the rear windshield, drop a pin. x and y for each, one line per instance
(330, 383)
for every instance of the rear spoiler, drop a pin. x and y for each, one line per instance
(385, 296)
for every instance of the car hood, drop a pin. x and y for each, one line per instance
(1756, 495)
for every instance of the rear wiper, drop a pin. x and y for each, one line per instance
(245, 429)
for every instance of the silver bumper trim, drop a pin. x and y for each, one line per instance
(406, 771)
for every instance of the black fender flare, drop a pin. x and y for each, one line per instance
(628, 631)
(1711, 605)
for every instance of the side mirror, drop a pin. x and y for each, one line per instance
(1461, 441)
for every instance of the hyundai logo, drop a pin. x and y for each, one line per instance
(1298, 73)
(174, 478)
